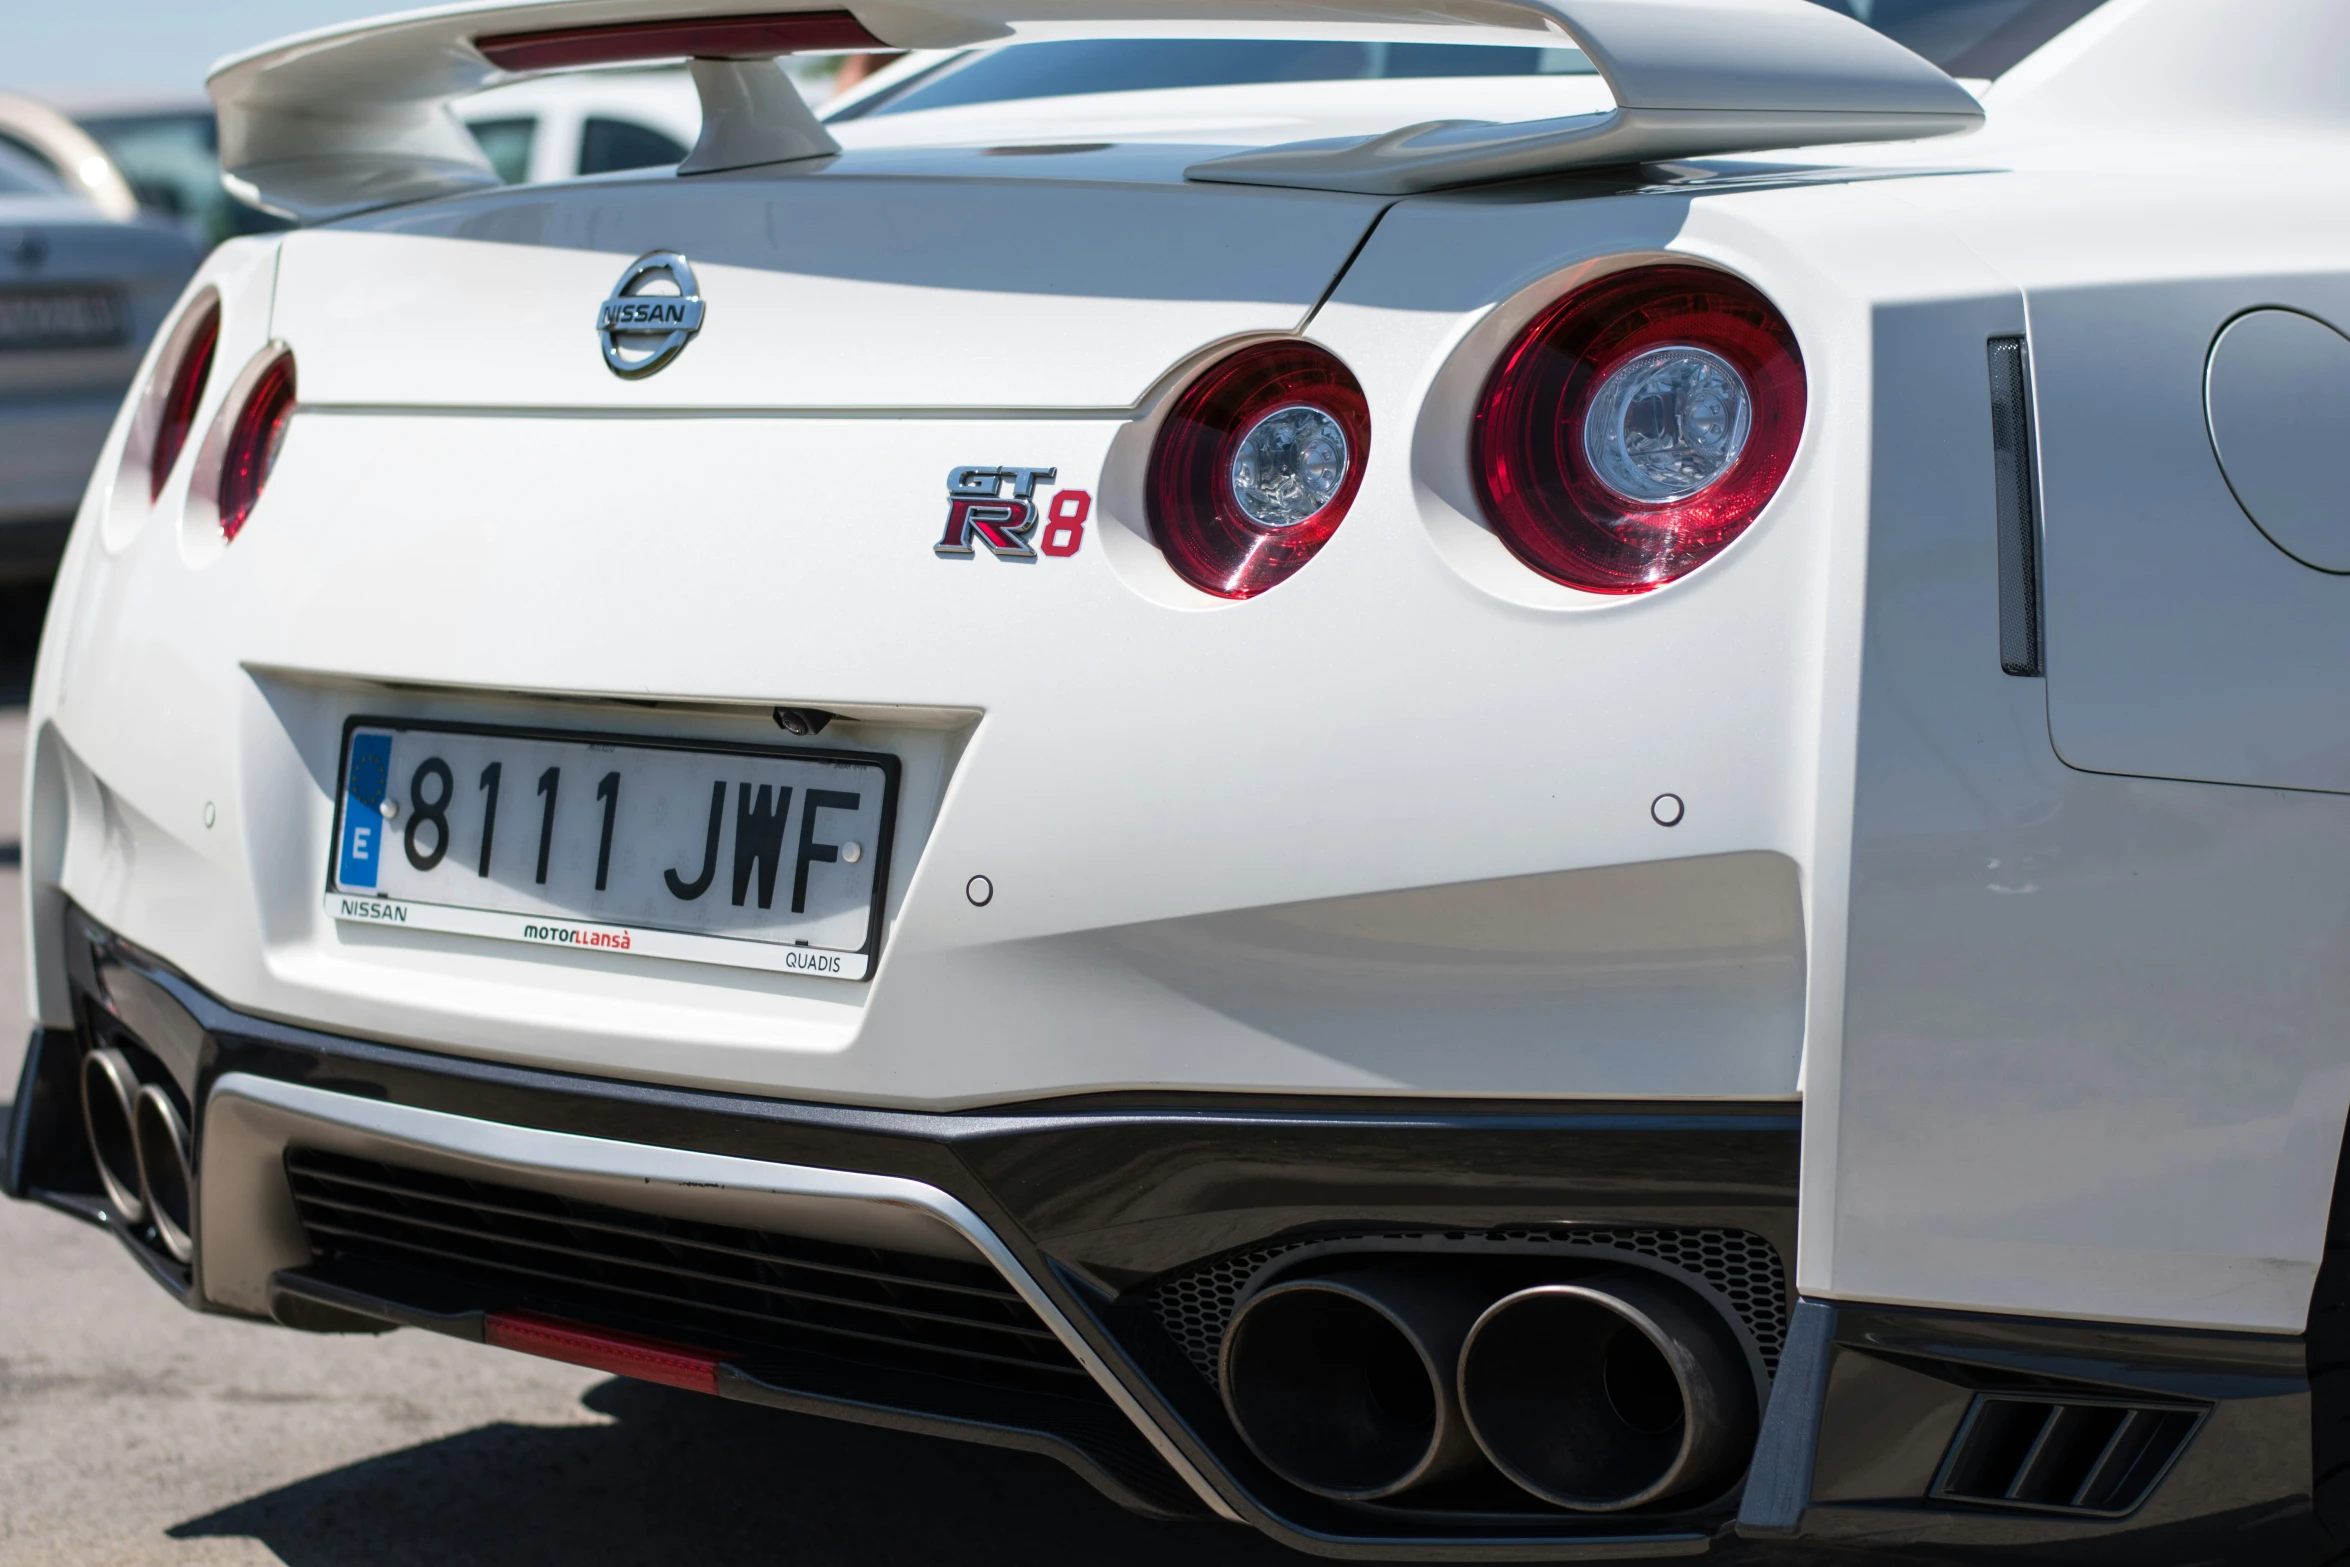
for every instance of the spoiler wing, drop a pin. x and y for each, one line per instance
(351, 118)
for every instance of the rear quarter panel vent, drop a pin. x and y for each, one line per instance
(2089, 1457)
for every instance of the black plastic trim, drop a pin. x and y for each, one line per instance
(300, 1298)
(1112, 1457)
(1778, 1483)
(45, 1146)
(2016, 489)
(1949, 1481)
(1872, 1400)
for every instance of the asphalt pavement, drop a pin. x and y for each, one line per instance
(134, 1433)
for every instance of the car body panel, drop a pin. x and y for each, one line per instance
(2086, 1064)
(830, 287)
(2181, 642)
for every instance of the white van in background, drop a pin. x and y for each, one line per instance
(597, 122)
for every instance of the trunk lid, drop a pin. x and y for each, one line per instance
(932, 280)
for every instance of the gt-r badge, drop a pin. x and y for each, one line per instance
(978, 508)
(641, 332)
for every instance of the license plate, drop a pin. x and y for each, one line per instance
(765, 857)
(60, 318)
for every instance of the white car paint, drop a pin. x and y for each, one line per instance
(2053, 984)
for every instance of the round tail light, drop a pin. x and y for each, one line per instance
(181, 394)
(1256, 465)
(253, 443)
(1638, 426)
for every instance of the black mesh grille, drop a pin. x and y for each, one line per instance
(1196, 1305)
(737, 1291)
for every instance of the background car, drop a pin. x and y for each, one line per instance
(80, 296)
(160, 153)
(596, 122)
(166, 151)
(49, 140)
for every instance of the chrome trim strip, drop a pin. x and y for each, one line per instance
(242, 1148)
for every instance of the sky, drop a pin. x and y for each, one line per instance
(151, 45)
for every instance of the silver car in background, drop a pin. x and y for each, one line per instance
(80, 295)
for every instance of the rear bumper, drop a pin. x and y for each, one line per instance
(1122, 1229)
(258, 1259)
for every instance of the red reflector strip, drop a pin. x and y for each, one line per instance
(601, 1349)
(707, 37)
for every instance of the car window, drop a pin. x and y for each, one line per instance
(24, 172)
(506, 143)
(1061, 68)
(1968, 37)
(172, 162)
(607, 146)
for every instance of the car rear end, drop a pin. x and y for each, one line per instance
(1005, 792)
(957, 818)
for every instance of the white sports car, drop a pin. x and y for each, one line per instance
(1591, 807)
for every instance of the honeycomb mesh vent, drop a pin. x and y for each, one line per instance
(1195, 1305)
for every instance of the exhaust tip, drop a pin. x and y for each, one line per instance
(108, 1087)
(1341, 1384)
(1608, 1393)
(161, 1139)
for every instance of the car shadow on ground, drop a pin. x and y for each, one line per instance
(679, 1477)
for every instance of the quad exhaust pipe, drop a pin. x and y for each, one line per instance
(1608, 1393)
(1343, 1383)
(1611, 1391)
(165, 1178)
(109, 1087)
(139, 1140)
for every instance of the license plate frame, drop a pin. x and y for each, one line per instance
(578, 931)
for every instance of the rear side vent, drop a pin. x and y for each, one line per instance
(2090, 1458)
(2018, 500)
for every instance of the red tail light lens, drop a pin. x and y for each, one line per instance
(1255, 467)
(1638, 426)
(253, 443)
(186, 389)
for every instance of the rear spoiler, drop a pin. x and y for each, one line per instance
(351, 118)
